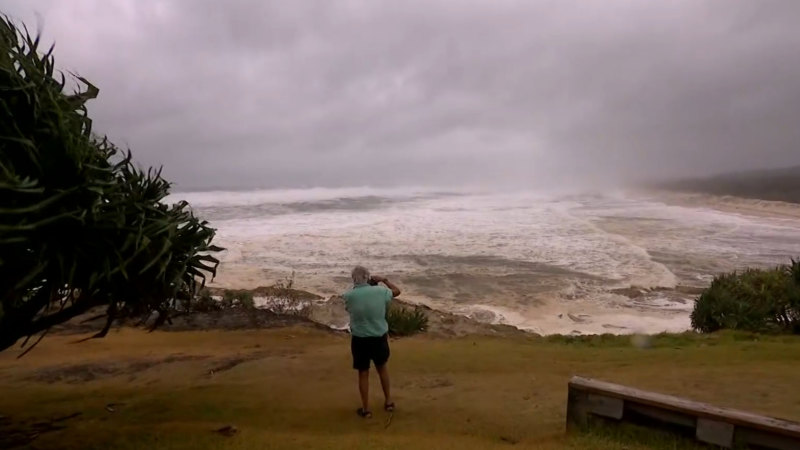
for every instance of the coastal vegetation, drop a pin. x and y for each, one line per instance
(758, 300)
(81, 226)
(405, 320)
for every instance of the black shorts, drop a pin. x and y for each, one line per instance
(366, 349)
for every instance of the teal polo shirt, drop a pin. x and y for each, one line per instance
(367, 307)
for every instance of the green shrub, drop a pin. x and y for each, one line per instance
(794, 271)
(405, 322)
(285, 300)
(753, 300)
(794, 295)
(205, 302)
(245, 300)
(238, 299)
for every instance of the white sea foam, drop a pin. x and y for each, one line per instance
(256, 197)
(516, 258)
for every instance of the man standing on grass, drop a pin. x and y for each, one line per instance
(366, 303)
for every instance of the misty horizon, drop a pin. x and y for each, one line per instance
(505, 94)
(652, 183)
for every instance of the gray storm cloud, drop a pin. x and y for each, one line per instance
(243, 94)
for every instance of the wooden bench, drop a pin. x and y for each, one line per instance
(713, 425)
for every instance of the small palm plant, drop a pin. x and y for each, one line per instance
(406, 321)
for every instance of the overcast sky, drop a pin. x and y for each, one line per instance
(292, 93)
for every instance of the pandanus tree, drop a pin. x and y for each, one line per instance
(81, 227)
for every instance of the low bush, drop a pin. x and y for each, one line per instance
(283, 299)
(289, 306)
(238, 299)
(205, 302)
(405, 322)
(753, 300)
(794, 271)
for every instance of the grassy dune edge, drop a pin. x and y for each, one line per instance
(293, 388)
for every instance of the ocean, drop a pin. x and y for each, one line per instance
(616, 262)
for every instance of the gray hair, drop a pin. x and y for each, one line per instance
(360, 275)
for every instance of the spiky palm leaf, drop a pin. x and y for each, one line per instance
(80, 226)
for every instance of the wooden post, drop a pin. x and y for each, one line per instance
(577, 414)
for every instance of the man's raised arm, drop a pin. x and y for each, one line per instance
(395, 290)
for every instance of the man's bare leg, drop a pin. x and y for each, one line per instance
(383, 372)
(363, 388)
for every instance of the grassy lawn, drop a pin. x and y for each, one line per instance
(293, 388)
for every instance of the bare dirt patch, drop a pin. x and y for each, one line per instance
(226, 319)
(82, 373)
(88, 372)
(238, 319)
(225, 364)
(19, 434)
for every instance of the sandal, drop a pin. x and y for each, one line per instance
(389, 407)
(363, 413)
